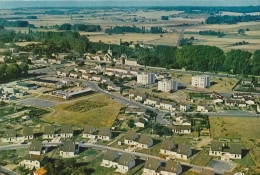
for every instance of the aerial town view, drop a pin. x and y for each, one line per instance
(99, 87)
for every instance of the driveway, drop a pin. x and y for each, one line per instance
(220, 166)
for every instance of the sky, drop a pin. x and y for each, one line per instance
(82, 3)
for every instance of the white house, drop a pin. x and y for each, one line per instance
(36, 147)
(145, 141)
(146, 78)
(104, 133)
(140, 122)
(172, 168)
(183, 151)
(167, 105)
(9, 136)
(66, 131)
(131, 138)
(27, 133)
(125, 163)
(109, 159)
(151, 166)
(184, 107)
(151, 101)
(203, 108)
(68, 150)
(167, 147)
(181, 129)
(140, 97)
(89, 131)
(86, 76)
(201, 81)
(31, 161)
(166, 85)
(49, 132)
(258, 108)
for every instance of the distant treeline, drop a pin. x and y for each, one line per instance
(212, 33)
(6, 23)
(79, 27)
(230, 19)
(134, 29)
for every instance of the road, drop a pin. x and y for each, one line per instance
(7, 171)
(15, 146)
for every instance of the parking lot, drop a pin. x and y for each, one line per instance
(221, 166)
(37, 103)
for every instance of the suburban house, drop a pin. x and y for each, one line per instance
(183, 151)
(203, 108)
(151, 101)
(241, 103)
(33, 161)
(167, 147)
(97, 78)
(171, 168)
(231, 103)
(36, 147)
(89, 131)
(207, 171)
(113, 87)
(242, 94)
(104, 133)
(166, 105)
(145, 141)
(231, 151)
(40, 171)
(248, 101)
(125, 163)
(66, 131)
(9, 136)
(86, 76)
(26, 86)
(47, 83)
(68, 149)
(109, 159)
(258, 108)
(139, 122)
(151, 166)
(49, 132)
(109, 73)
(180, 120)
(27, 133)
(184, 107)
(132, 95)
(182, 129)
(140, 97)
(131, 138)
(217, 100)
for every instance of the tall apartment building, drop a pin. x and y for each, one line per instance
(146, 78)
(201, 81)
(167, 85)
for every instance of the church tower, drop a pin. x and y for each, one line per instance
(110, 51)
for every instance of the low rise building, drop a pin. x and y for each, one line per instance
(151, 101)
(89, 131)
(184, 107)
(171, 168)
(125, 163)
(9, 136)
(167, 105)
(31, 161)
(151, 166)
(181, 129)
(49, 132)
(66, 131)
(68, 149)
(104, 133)
(27, 133)
(36, 147)
(145, 141)
(131, 138)
(110, 159)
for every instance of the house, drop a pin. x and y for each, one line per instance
(242, 94)
(246, 81)
(131, 138)
(231, 103)
(217, 100)
(31, 161)
(167, 147)
(151, 101)
(68, 149)
(89, 131)
(104, 133)
(47, 83)
(111, 86)
(203, 108)
(9, 136)
(135, 111)
(167, 105)
(109, 73)
(125, 163)
(231, 151)
(74, 75)
(184, 151)
(182, 129)
(66, 131)
(171, 168)
(140, 122)
(97, 78)
(25, 86)
(145, 141)
(184, 107)
(207, 171)
(62, 73)
(86, 76)
(151, 166)
(249, 101)
(140, 97)
(109, 159)
(40, 171)
(132, 95)
(258, 108)
(36, 147)
(241, 103)
(27, 133)
(49, 132)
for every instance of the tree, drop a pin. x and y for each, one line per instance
(24, 68)
(13, 71)
(70, 163)
(131, 123)
(2, 72)
(241, 31)
(256, 63)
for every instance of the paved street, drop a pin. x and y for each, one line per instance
(7, 171)
(14, 146)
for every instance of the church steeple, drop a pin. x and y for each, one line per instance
(110, 51)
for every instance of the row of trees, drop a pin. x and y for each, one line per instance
(212, 33)
(6, 23)
(79, 27)
(133, 29)
(230, 19)
(13, 71)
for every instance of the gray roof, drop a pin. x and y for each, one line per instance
(172, 166)
(235, 148)
(144, 139)
(104, 131)
(28, 131)
(49, 130)
(124, 159)
(228, 173)
(110, 155)
(141, 120)
(68, 147)
(88, 129)
(131, 135)
(151, 164)
(36, 145)
(183, 149)
(9, 133)
(167, 145)
(216, 146)
(66, 129)
(206, 171)
(34, 157)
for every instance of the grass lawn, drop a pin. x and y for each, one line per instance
(254, 146)
(246, 160)
(154, 150)
(98, 116)
(202, 158)
(234, 127)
